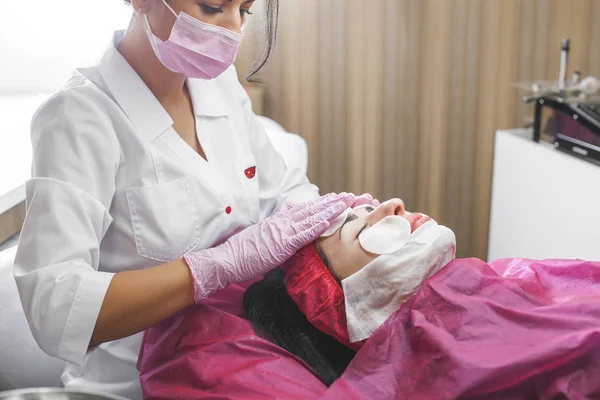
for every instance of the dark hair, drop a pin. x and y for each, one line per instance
(276, 317)
(271, 24)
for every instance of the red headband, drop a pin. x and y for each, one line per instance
(318, 294)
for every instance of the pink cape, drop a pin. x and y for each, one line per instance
(510, 329)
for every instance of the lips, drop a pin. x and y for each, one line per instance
(416, 220)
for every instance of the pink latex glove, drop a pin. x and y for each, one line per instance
(266, 245)
(365, 199)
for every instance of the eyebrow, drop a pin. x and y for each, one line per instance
(349, 218)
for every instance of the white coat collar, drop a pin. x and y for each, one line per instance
(140, 105)
(207, 100)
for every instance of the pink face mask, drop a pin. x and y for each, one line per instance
(194, 48)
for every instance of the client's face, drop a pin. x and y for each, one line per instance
(343, 252)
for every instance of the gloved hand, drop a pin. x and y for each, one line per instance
(365, 199)
(361, 200)
(266, 245)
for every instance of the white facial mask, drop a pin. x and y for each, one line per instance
(376, 291)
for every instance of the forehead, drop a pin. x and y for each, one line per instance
(361, 211)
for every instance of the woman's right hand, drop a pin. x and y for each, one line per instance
(266, 245)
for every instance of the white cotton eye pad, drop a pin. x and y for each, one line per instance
(336, 223)
(387, 236)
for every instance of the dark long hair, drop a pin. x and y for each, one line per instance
(275, 316)
(271, 25)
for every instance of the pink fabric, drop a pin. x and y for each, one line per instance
(209, 352)
(317, 294)
(511, 329)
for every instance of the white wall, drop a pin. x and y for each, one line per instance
(545, 203)
(41, 43)
(44, 40)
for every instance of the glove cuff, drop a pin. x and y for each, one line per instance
(206, 270)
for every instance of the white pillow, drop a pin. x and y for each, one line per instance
(291, 146)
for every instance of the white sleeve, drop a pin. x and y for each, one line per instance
(75, 159)
(278, 183)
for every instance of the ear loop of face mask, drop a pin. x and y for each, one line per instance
(146, 16)
(170, 9)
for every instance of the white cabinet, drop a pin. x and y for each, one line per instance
(545, 204)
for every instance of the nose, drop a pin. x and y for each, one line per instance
(390, 207)
(233, 22)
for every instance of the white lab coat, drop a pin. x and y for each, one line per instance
(115, 188)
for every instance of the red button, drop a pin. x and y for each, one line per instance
(228, 210)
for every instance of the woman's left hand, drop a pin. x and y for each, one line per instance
(262, 247)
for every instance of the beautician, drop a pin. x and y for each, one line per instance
(153, 187)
